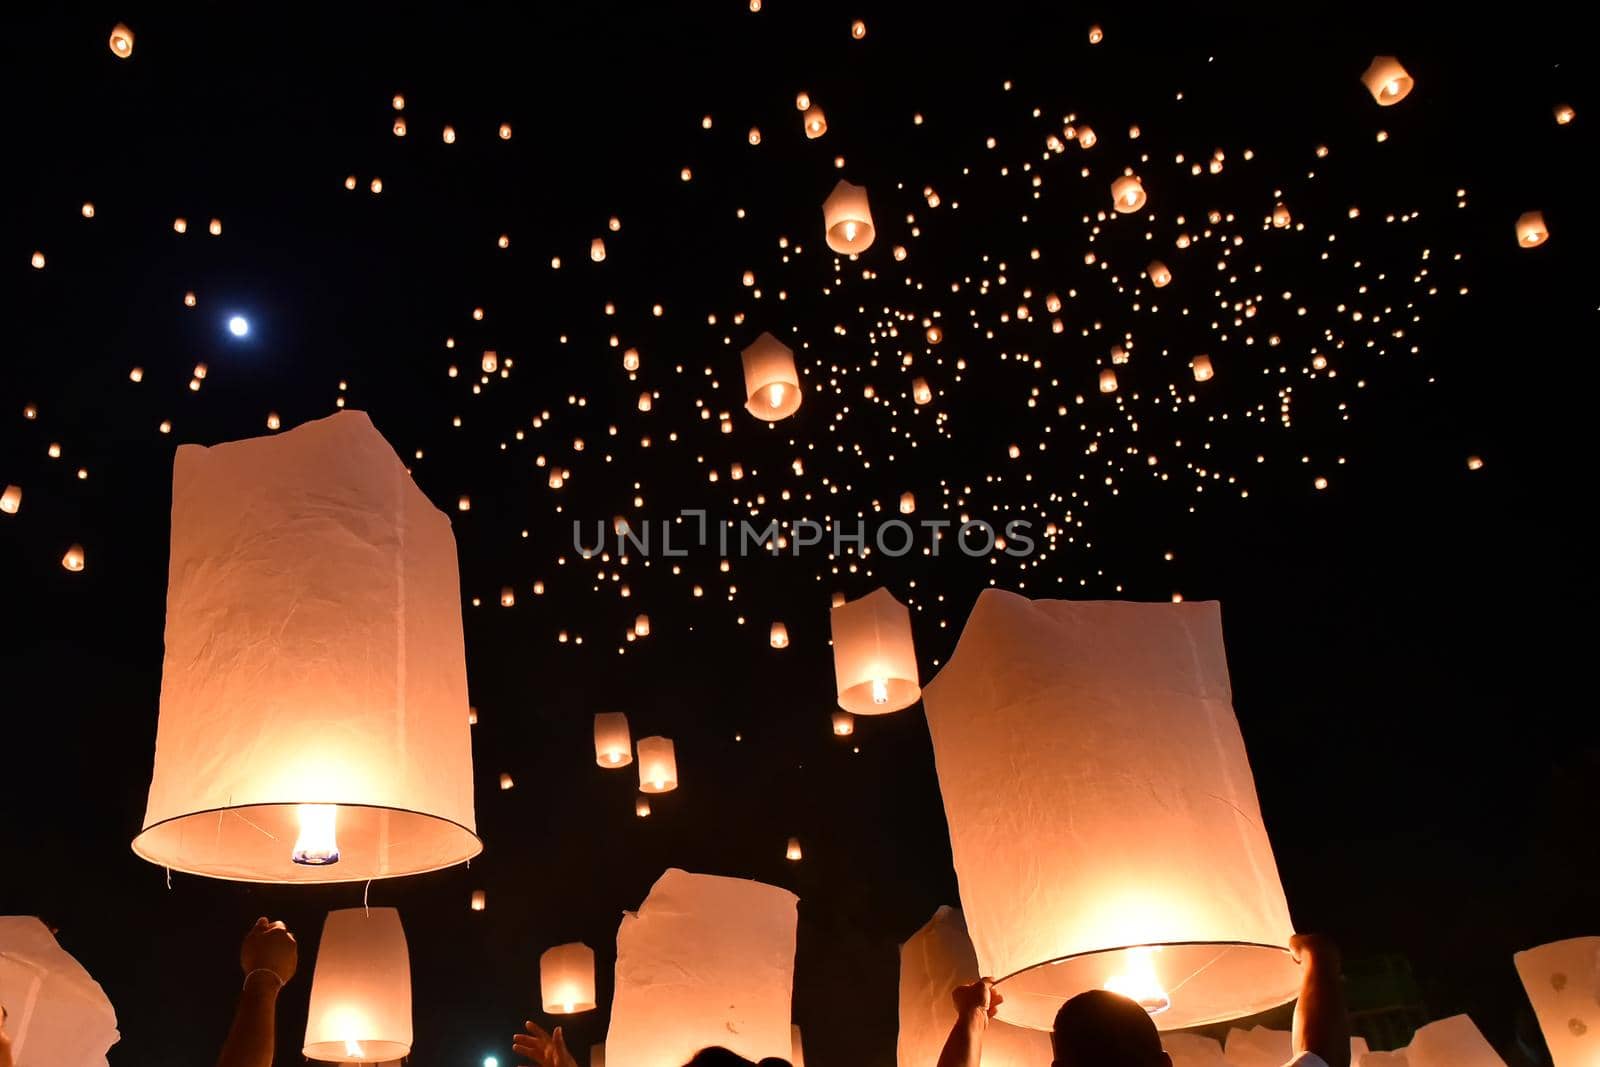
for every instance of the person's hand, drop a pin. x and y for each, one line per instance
(979, 1000)
(269, 946)
(545, 1050)
(1314, 950)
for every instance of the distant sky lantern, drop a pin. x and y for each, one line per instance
(1108, 380)
(508, 596)
(491, 361)
(1096, 35)
(844, 724)
(1563, 982)
(740, 936)
(566, 979)
(1163, 885)
(641, 807)
(658, 765)
(1202, 368)
(847, 219)
(215, 226)
(613, 744)
(779, 636)
(319, 733)
(1052, 303)
(400, 127)
(37, 261)
(1387, 80)
(934, 335)
(479, 900)
(505, 131)
(921, 393)
(641, 625)
(858, 29)
(908, 503)
(630, 359)
(121, 41)
(874, 658)
(464, 503)
(1280, 216)
(1160, 276)
(816, 122)
(1531, 230)
(645, 401)
(1086, 137)
(771, 383)
(87, 209)
(506, 782)
(72, 560)
(57, 1015)
(802, 100)
(1564, 114)
(360, 1009)
(597, 250)
(449, 135)
(792, 851)
(755, 135)
(836, 600)
(1127, 194)
(398, 102)
(180, 225)
(11, 499)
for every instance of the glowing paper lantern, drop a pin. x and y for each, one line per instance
(641, 806)
(779, 637)
(1531, 230)
(479, 900)
(508, 597)
(1563, 982)
(121, 41)
(848, 219)
(360, 1008)
(1108, 380)
(597, 250)
(908, 503)
(704, 961)
(1127, 194)
(613, 745)
(771, 383)
(11, 499)
(816, 122)
(641, 626)
(72, 559)
(1261, 1047)
(57, 1016)
(844, 724)
(1203, 371)
(658, 765)
(313, 699)
(1387, 80)
(1455, 1042)
(566, 979)
(874, 659)
(1281, 217)
(792, 851)
(1160, 276)
(933, 961)
(1162, 885)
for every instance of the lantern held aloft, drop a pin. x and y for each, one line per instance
(658, 765)
(771, 383)
(1162, 886)
(56, 1014)
(613, 746)
(874, 659)
(566, 979)
(847, 219)
(313, 722)
(360, 1008)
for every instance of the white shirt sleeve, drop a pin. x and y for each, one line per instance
(1307, 1059)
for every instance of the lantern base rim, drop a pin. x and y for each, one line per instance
(902, 693)
(371, 1052)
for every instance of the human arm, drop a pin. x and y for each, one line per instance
(268, 958)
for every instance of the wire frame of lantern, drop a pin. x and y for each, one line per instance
(771, 383)
(874, 657)
(658, 765)
(360, 1010)
(612, 739)
(1160, 276)
(1531, 230)
(1163, 886)
(320, 734)
(1127, 194)
(1387, 80)
(847, 219)
(566, 979)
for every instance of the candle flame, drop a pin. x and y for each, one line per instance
(317, 844)
(1140, 983)
(880, 691)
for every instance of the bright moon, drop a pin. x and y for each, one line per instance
(238, 326)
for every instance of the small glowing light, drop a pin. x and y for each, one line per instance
(238, 325)
(775, 394)
(880, 691)
(1141, 984)
(317, 845)
(352, 1047)
(490, 1061)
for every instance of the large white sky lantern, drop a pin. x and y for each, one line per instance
(704, 961)
(57, 1016)
(848, 219)
(771, 383)
(360, 1009)
(874, 659)
(933, 961)
(1103, 818)
(314, 723)
(1563, 982)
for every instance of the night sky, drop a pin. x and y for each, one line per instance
(1407, 645)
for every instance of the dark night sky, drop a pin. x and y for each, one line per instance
(1408, 666)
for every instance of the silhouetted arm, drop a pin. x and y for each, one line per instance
(1321, 1023)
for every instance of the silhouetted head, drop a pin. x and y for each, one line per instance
(721, 1057)
(1104, 1029)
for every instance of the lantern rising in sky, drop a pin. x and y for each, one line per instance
(121, 41)
(313, 723)
(1162, 885)
(847, 219)
(566, 979)
(771, 383)
(360, 1009)
(874, 659)
(658, 765)
(1127, 194)
(1531, 230)
(612, 742)
(1387, 80)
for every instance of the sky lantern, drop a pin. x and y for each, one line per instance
(11, 499)
(72, 559)
(641, 807)
(491, 361)
(816, 123)
(658, 765)
(1280, 216)
(1127, 194)
(1162, 886)
(360, 1009)
(771, 383)
(848, 219)
(1564, 114)
(566, 979)
(738, 939)
(57, 1015)
(506, 782)
(645, 401)
(874, 659)
(313, 723)
(597, 250)
(479, 900)
(1108, 380)
(792, 851)
(1563, 982)
(779, 637)
(1202, 368)
(1531, 230)
(641, 625)
(121, 41)
(908, 503)
(844, 724)
(921, 392)
(1387, 80)
(934, 335)
(508, 596)
(1160, 276)
(613, 744)
(933, 961)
